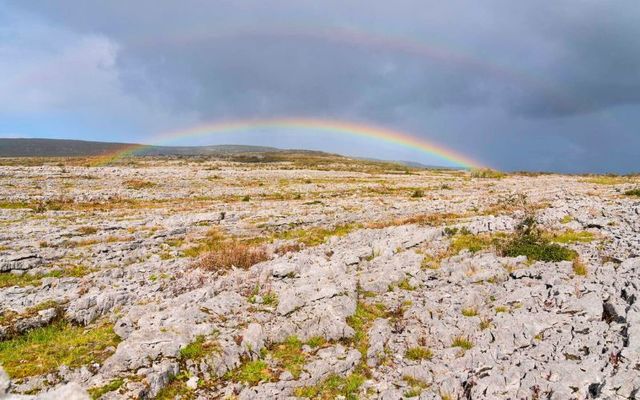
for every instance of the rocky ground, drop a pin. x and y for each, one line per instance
(213, 279)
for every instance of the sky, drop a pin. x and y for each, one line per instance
(516, 85)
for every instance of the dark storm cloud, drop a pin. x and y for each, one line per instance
(486, 73)
(534, 58)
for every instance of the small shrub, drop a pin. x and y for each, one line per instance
(246, 198)
(418, 353)
(538, 249)
(633, 192)
(417, 194)
(502, 309)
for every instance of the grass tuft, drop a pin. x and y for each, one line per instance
(462, 342)
(418, 353)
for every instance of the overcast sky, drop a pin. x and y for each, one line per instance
(528, 84)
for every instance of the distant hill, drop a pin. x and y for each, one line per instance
(83, 148)
(233, 152)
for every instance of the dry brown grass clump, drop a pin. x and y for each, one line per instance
(232, 253)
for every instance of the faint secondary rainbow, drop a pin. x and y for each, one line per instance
(310, 125)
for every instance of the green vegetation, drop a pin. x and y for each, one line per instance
(416, 386)
(316, 341)
(467, 241)
(418, 193)
(579, 268)
(633, 192)
(198, 349)
(252, 372)
(43, 350)
(270, 299)
(572, 237)
(361, 321)
(566, 219)
(334, 387)
(485, 324)
(501, 309)
(487, 173)
(8, 317)
(290, 355)
(418, 353)
(462, 342)
(538, 249)
(530, 242)
(100, 391)
(14, 205)
(74, 271)
(470, 311)
(176, 389)
(606, 180)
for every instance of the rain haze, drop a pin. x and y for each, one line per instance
(525, 85)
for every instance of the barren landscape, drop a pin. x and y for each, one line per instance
(318, 277)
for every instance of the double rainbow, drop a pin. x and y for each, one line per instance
(308, 125)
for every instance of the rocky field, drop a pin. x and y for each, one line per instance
(197, 278)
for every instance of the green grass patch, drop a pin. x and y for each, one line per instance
(361, 321)
(198, 349)
(570, 236)
(97, 392)
(334, 387)
(252, 372)
(43, 350)
(290, 356)
(467, 241)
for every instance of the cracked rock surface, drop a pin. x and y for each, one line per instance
(394, 301)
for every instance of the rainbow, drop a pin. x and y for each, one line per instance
(308, 125)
